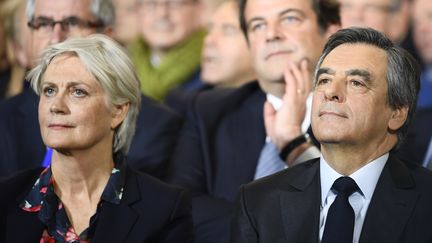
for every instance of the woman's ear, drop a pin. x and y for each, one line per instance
(119, 114)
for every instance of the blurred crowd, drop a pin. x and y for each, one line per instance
(204, 85)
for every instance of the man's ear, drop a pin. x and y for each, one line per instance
(119, 113)
(331, 29)
(398, 118)
(109, 31)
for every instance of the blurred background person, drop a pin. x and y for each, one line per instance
(422, 22)
(4, 65)
(126, 22)
(51, 22)
(225, 60)
(17, 45)
(391, 17)
(167, 55)
(418, 146)
(89, 102)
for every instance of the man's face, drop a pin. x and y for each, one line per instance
(375, 14)
(58, 10)
(225, 57)
(350, 98)
(166, 23)
(422, 15)
(126, 23)
(280, 31)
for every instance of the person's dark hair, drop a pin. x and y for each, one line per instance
(327, 12)
(403, 71)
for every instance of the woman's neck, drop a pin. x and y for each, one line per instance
(81, 174)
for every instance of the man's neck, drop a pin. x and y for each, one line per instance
(346, 159)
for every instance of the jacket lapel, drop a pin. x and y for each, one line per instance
(247, 134)
(301, 208)
(116, 222)
(392, 204)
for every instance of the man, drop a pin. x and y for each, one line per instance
(419, 147)
(225, 143)
(387, 16)
(225, 59)
(361, 109)
(17, 43)
(168, 53)
(422, 26)
(52, 21)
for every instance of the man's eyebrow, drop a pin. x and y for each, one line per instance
(359, 72)
(325, 71)
(292, 10)
(286, 11)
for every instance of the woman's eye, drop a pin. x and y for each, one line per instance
(79, 93)
(48, 91)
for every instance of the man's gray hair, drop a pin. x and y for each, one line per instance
(108, 62)
(403, 71)
(102, 10)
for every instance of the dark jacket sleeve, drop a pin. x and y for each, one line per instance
(188, 169)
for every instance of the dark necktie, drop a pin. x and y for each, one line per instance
(339, 226)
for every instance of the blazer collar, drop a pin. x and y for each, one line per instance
(392, 204)
(300, 206)
(117, 221)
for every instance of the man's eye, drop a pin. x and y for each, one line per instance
(257, 26)
(322, 81)
(290, 20)
(72, 21)
(356, 83)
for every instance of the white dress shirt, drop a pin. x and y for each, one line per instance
(366, 179)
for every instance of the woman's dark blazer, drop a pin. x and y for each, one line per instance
(150, 211)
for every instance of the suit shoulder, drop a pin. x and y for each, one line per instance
(16, 185)
(152, 108)
(149, 185)
(283, 179)
(225, 96)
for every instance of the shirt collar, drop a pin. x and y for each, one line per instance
(277, 104)
(44, 187)
(366, 177)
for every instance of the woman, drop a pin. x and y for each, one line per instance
(89, 100)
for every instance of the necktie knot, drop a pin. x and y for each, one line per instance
(345, 185)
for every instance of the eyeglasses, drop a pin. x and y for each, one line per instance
(71, 24)
(151, 5)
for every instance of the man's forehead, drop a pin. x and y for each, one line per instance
(60, 9)
(270, 8)
(365, 2)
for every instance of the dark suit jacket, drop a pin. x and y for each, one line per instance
(150, 211)
(21, 145)
(285, 207)
(417, 142)
(218, 151)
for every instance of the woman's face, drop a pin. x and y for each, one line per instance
(74, 112)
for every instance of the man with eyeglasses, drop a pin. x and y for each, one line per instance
(53, 21)
(167, 54)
